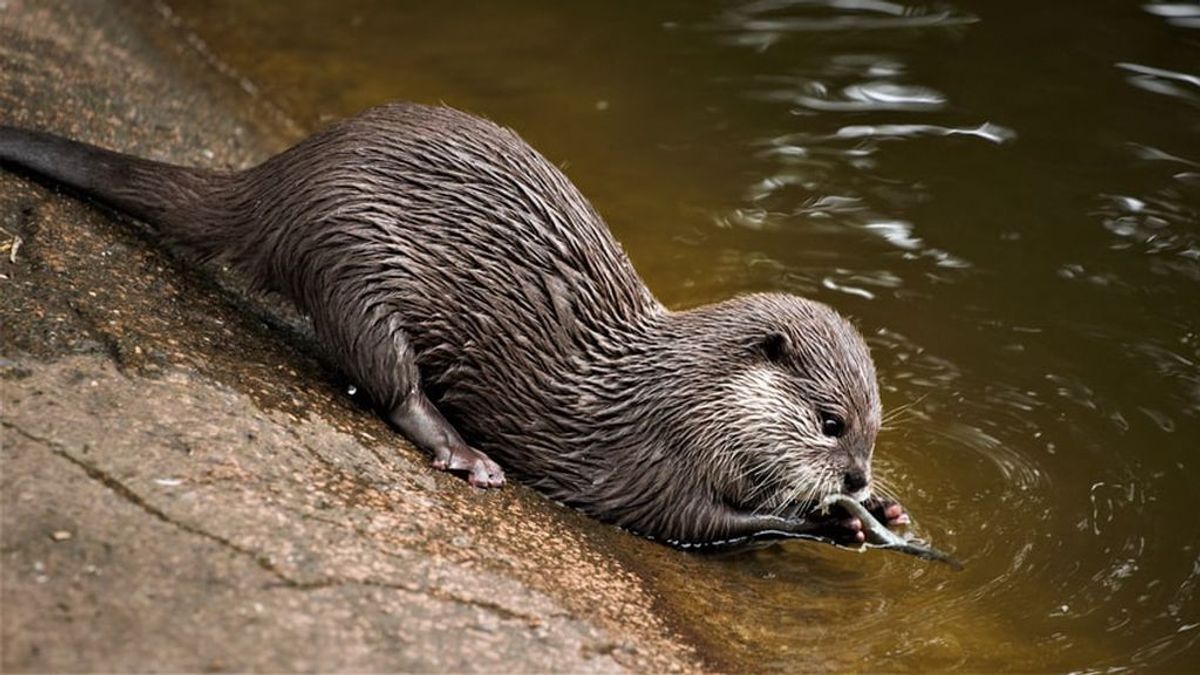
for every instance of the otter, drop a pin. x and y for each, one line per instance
(474, 294)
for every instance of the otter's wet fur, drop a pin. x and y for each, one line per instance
(449, 268)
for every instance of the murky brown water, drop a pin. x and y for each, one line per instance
(1005, 197)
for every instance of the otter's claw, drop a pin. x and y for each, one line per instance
(481, 471)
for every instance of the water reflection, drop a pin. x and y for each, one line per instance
(1162, 81)
(1181, 14)
(811, 166)
(1156, 224)
(852, 82)
(987, 131)
(762, 23)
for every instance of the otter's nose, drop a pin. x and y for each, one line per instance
(854, 480)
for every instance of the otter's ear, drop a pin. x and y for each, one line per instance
(773, 347)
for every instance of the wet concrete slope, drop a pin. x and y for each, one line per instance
(184, 485)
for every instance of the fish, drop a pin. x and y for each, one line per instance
(879, 536)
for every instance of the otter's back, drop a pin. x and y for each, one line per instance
(469, 234)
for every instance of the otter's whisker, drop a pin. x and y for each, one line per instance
(894, 413)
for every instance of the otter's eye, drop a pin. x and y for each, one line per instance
(832, 425)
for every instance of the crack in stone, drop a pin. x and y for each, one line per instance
(503, 612)
(532, 620)
(125, 492)
(260, 559)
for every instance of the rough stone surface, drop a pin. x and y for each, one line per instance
(184, 485)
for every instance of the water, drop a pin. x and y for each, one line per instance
(1006, 198)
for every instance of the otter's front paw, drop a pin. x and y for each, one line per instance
(847, 530)
(888, 512)
(481, 471)
(837, 527)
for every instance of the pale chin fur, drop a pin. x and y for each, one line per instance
(764, 401)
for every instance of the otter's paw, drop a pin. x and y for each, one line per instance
(838, 527)
(887, 512)
(481, 471)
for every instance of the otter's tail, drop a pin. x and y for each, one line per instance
(168, 198)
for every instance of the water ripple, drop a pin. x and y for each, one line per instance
(1163, 81)
(987, 131)
(900, 235)
(1181, 14)
(762, 23)
(874, 96)
(1162, 223)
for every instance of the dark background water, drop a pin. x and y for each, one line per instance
(1004, 196)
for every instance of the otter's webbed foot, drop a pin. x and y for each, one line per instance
(421, 422)
(481, 471)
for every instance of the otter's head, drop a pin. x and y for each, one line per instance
(784, 403)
